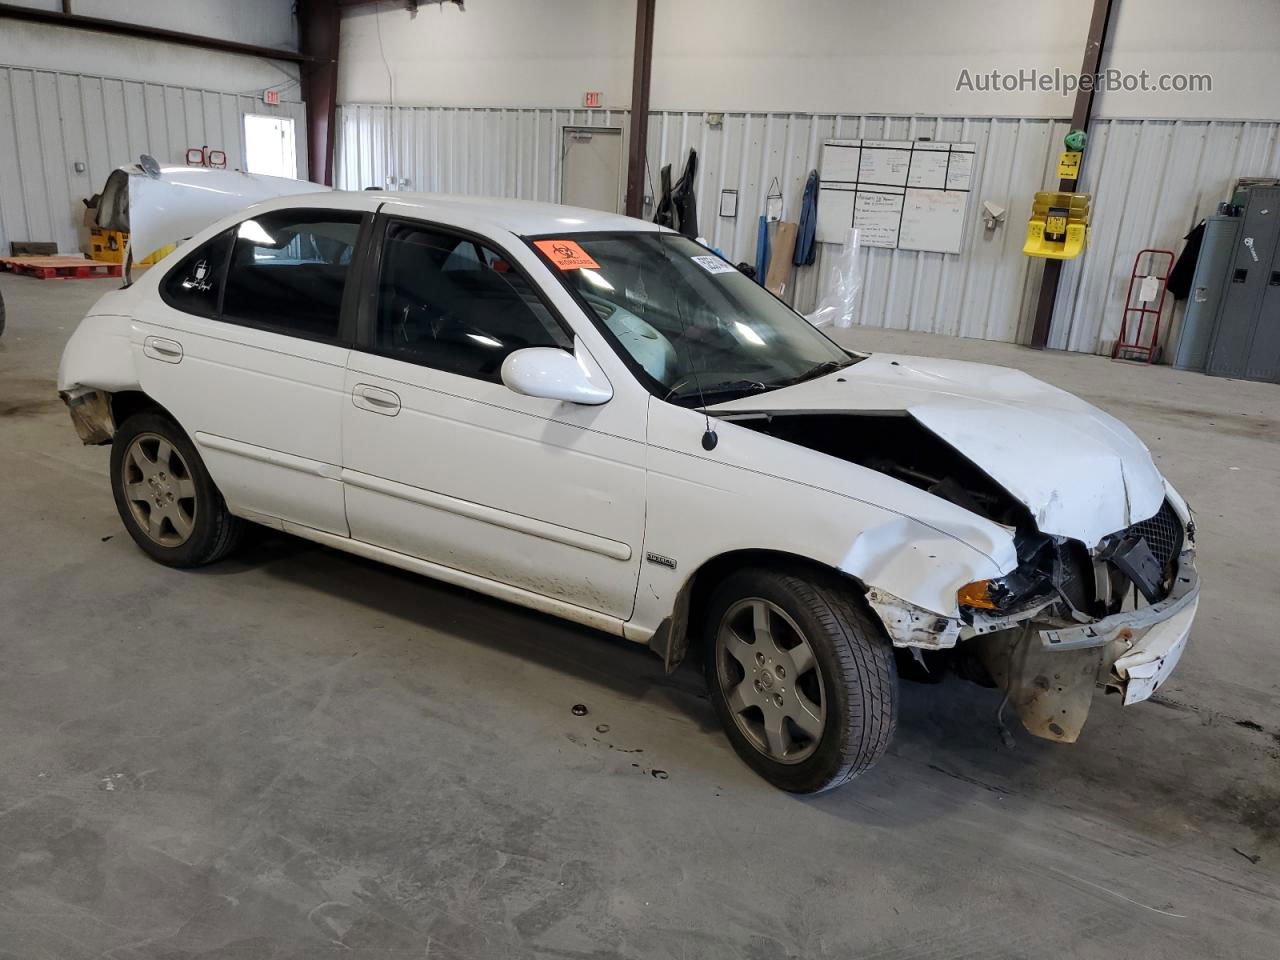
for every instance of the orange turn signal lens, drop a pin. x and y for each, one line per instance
(976, 594)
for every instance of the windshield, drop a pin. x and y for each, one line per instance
(693, 323)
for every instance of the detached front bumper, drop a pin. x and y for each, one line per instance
(1142, 646)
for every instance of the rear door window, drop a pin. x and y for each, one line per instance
(288, 270)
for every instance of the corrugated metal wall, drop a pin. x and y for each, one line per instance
(1152, 180)
(49, 121)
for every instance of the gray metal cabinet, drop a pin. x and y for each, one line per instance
(1217, 250)
(1246, 339)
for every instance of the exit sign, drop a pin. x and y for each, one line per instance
(591, 98)
(271, 98)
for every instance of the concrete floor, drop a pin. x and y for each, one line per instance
(299, 754)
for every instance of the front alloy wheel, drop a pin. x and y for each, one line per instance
(770, 680)
(801, 674)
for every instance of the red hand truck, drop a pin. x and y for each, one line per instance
(1140, 350)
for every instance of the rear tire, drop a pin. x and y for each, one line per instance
(165, 496)
(802, 676)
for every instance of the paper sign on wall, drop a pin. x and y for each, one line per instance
(1069, 165)
(565, 254)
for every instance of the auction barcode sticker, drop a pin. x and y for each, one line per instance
(713, 264)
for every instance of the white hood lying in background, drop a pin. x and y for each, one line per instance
(1081, 472)
(169, 204)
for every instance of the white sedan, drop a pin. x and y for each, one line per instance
(589, 416)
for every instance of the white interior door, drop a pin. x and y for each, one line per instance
(591, 175)
(269, 146)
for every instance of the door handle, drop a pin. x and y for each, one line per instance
(375, 399)
(166, 351)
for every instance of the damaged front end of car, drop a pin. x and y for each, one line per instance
(1069, 617)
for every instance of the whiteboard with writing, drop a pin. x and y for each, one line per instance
(878, 217)
(903, 194)
(932, 220)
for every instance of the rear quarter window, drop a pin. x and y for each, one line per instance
(195, 284)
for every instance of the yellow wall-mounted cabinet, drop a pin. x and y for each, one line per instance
(1059, 226)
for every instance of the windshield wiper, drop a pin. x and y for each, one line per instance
(719, 390)
(821, 370)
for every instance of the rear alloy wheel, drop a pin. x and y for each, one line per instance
(801, 675)
(165, 496)
(159, 490)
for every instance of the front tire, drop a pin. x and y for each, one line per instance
(802, 676)
(165, 496)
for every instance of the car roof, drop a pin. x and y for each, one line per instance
(521, 217)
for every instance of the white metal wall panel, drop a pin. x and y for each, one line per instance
(1151, 181)
(50, 120)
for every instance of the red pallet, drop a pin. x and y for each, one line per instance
(66, 268)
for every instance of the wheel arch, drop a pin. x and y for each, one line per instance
(98, 414)
(127, 403)
(674, 636)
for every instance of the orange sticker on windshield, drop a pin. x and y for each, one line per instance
(566, 254)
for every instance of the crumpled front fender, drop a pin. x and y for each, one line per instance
(913, 573)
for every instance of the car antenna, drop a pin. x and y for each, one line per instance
(709, 438)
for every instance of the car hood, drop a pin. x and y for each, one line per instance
(1081, 472)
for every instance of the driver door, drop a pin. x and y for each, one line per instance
(442, 462)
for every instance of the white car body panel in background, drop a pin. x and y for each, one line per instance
(179, 202)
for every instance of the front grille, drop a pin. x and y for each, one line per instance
(1163, 534)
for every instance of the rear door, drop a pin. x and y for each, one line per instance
(247, 346)
(444, 463)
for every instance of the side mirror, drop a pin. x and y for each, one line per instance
(555, 374)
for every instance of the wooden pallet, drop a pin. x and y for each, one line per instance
(67, 268)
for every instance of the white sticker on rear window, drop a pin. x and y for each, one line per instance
(713, 264)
